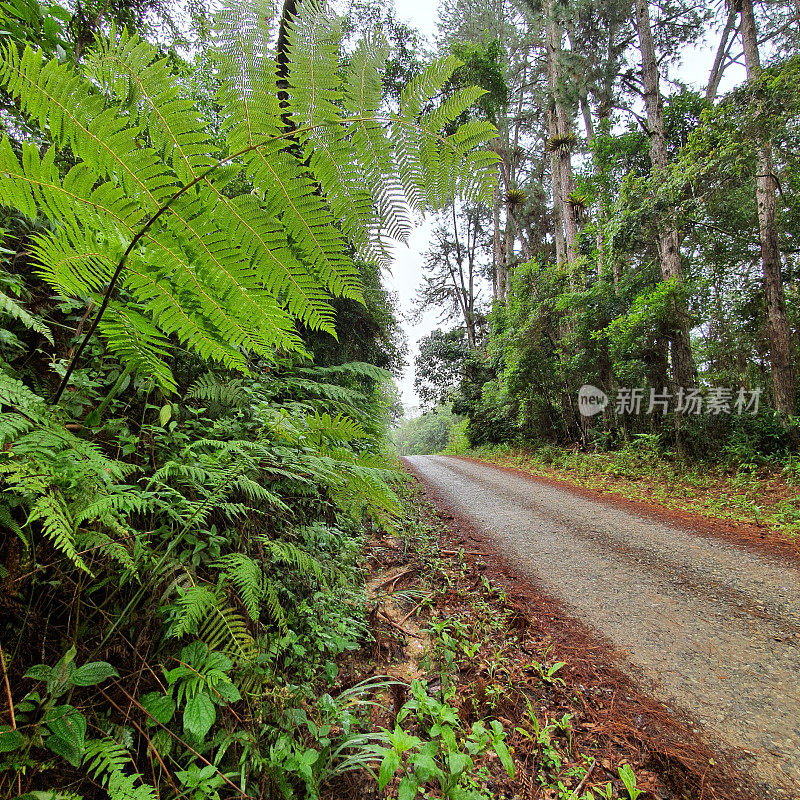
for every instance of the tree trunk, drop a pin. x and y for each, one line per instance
(668, 237)
(560, 130)
(497, 249)
(780, 340)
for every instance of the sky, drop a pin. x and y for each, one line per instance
(406, 272)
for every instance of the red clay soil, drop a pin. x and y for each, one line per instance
(757, 538)
(613, 706)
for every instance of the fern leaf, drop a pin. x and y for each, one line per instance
(247, 577)
(190, 609)
(14, 310)
(58, 526)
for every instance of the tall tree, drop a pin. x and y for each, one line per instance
(780, 342)
(668, 235)
(452, 269)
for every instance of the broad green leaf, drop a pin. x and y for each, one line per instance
(160, 706)
(40, 672)
(93, 673)
(10, 740)
(68, 724)
(228, 692)
(66, 748)
(425, 767)
(199, 715)
(458, 763)
(407, 789)
(504, 756)
(389, 765)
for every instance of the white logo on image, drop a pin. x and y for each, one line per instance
(591, 400)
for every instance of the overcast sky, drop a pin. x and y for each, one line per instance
(406, 271)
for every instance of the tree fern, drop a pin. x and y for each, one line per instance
(144, 210)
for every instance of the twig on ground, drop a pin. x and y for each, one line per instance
(586, 777)
(416, 608)
(393, 578)
(388, 619)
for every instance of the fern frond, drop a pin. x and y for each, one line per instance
(13, 309)
(137, 343)
(225, 630)
(147, 208)
(57, 524)
(230, 393)
(287, 553)
(273, 604)
(127, 71)
(15, 394)
(12, 525)
(105, 760)
(247, 577)
(192, 606)
(104, 756)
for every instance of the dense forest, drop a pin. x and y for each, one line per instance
(641, 237)
(198, 354)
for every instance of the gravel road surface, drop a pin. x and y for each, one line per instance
(707, 626)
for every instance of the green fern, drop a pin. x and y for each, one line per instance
(192, 606)
(247, 577)
(226, 631)
(292, 555)
(105, 760)
(144, 210)
(57, 524)
(11, 308)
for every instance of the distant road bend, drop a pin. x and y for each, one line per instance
(714, 626)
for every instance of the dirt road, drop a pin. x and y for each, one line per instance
(709, 627)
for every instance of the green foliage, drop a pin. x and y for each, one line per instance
(191, 512)
(431, 432)
(443, 756)
(147, 204)
(628, 778)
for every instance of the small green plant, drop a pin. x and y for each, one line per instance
(443, 754)
(604, 793)
(547, 673)
(628, 779)
(541, 736)
(200, 684)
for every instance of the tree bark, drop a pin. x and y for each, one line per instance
(499, 279)
(560, 129)
(668, 236)
(778, 331)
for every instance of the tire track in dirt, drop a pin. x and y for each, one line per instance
(713, 628)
